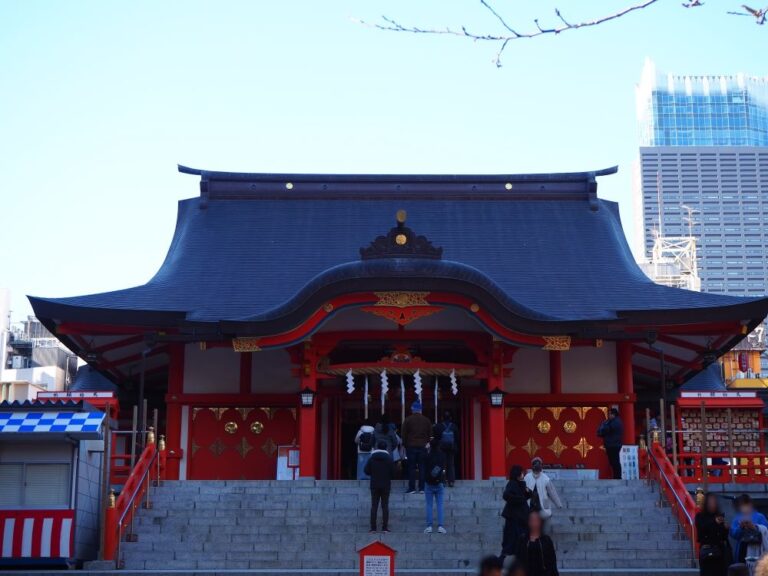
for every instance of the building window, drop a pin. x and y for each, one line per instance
(35, 485)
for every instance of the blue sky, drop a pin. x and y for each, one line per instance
(100, 100)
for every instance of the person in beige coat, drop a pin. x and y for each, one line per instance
(543, 490)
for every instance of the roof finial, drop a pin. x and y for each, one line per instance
(401, 216)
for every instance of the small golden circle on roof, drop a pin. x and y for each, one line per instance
(474, 307)
(328, 307)
(508, 185)
(289, 185)
(401, 216)
(401, 239)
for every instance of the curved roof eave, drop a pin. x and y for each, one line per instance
(268, 177)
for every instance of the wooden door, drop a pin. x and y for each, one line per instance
(237, 442)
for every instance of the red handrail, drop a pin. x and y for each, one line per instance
(150, 466)
(672, 487)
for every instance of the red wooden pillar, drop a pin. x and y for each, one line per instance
(626, 388)
(174, 448)
(495, 430)
(308, 436)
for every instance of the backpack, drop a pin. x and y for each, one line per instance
(366, 442)
(751, 536)
(448, 439)
(437, 472)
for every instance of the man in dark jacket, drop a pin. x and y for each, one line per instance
(612, 433)
(417, 432)
(381, 469)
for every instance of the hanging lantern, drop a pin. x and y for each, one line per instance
(496, 397)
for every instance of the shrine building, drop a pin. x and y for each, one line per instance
(290, 305)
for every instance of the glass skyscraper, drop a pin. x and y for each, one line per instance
(702, 110)
(703, 171)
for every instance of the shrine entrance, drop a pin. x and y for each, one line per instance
(353, 415)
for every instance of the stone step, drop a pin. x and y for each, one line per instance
(355, 571)
(247, 525)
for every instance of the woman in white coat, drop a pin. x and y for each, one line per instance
(544, 491)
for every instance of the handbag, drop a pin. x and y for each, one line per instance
(708, 552)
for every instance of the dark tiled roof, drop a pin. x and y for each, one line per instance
(89, 380)
(708, 380)
(46, 405)
(249, 249)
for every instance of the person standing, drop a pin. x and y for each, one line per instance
(417, 432)
(385, 431)
(449, 444)
(515, 511)
(435, 485)
(712, 536)
(612, 433)
(536, 550)
(543, 491)
(381, 469)
(749, 529)
(365, 442)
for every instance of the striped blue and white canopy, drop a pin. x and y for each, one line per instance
(83, 425)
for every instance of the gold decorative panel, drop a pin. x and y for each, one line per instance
(269, 447)
(583, 447)
(557, 343)
(246, 344)
(243, 448)
(217, 447)
(244, 412)
(270, 412)
(402, 299)
(556, 412)
(530, 411)
(531, 447)
(508, 446)
(557, 446)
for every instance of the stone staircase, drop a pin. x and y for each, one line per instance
(607, 527)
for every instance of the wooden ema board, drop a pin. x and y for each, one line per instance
(564, 436)
(745, 426)
(238, 443)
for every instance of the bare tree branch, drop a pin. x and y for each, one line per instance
(563, 24)
(759, 14)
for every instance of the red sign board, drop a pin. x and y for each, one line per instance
(377, 559)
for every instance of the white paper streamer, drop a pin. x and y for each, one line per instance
(365, 398)
(384, 388)
(350, 382)
(436, 394)
(402, 399)
(417, 384)
(454, 383)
